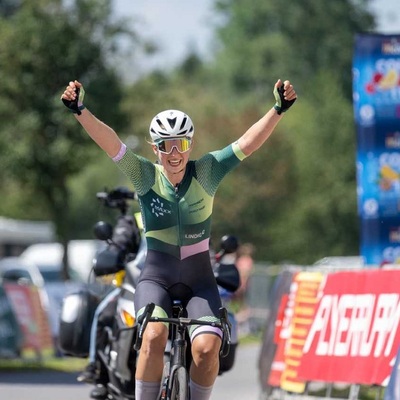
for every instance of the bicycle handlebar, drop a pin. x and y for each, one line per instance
(224, 325)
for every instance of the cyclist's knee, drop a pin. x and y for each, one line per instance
(154, 338)
(206, 347)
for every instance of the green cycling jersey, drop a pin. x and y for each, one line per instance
(177, 219)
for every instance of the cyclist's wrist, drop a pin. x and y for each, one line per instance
(78, 110)
(278, 109)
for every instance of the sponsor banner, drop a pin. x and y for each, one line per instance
(302, 300)
(269, 364)
(355, 332)
(376, 100)
(378, 178)
(376, 85)
(280, 337)
(31, 317)
(295, 315)
(381, 240)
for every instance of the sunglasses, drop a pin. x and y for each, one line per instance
(166, 146)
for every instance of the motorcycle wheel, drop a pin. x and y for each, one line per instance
(179, 385)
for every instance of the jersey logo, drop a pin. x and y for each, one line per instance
(195, 235)
(158, 209)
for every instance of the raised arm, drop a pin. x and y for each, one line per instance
(101, 133)
(258, 133)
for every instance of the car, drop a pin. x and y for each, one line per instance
(52, 288)
(49, 256)
(23, 272)
(16, 271)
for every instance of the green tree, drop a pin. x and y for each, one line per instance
(304, 205)
(261, 41)
(43, 46)
(320, 217)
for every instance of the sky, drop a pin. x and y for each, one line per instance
(178, 26)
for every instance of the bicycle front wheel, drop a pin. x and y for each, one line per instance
(179, 389)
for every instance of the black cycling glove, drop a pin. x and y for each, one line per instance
(76, 106)
(281, 104)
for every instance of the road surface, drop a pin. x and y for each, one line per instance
(241, 383)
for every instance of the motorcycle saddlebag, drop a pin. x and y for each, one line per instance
(226, 363)
(76, 318)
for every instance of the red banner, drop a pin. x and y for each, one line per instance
(355, 331)
(294, 319)
(26, 303)
(280, 336)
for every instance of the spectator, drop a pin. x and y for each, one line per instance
(245, 266)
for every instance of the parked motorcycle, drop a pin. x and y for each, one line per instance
(115, 333)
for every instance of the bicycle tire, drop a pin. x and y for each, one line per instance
(179, 385)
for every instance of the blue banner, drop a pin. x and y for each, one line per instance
(376, 98)
(380, 240)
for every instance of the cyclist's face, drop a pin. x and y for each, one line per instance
(175, 161)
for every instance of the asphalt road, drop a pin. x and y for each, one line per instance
(238, 384)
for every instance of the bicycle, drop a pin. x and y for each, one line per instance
(175, 380)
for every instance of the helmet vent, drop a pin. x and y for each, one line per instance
(161, 124)
(172, 122)
(183, 123)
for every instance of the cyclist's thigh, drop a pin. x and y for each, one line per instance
(151, 292)
(204, 303)
(197, 274)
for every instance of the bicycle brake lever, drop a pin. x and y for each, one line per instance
(226, 328)
(142, 322)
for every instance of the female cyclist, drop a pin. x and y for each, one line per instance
(176, 198)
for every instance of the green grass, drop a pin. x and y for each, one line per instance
(250, 339)
(29, 363)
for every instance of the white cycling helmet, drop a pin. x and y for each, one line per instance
(171, 124)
